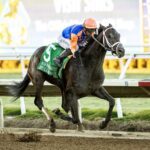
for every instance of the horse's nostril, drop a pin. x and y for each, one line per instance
(121, 51)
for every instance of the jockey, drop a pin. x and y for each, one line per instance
(75, 37)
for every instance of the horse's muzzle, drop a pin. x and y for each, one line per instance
(120, 51)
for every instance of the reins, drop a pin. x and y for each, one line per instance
(105, 46)
(95, 39)
(107, 41)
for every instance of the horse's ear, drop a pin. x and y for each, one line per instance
(101, 27)
(110, 25)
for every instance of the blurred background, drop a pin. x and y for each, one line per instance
(29, 24)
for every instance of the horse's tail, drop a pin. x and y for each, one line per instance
(18, 88)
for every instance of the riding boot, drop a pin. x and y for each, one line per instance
(58, 60)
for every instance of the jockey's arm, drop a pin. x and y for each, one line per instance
(73, 42)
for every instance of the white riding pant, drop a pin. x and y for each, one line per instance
(63, 42)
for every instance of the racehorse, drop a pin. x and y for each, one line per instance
(82, 76)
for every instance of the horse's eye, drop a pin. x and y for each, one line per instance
(110, 35)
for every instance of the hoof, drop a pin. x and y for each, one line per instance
(103, 125)
(56, 111)
(80, 128)
(53, 130)
(52, 127)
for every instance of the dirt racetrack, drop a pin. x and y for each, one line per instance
(42, 139)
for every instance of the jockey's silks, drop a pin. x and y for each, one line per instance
(76, 35)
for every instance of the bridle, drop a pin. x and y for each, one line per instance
(106, 44)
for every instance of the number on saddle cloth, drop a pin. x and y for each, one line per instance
(47, 64)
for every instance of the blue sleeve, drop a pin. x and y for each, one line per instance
(76, 29)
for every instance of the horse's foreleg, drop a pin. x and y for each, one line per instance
(76, 115)
(71, 102)
(39, 103)
(103, 94)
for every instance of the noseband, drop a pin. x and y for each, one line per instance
(105, 40)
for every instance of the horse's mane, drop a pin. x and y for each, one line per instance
(91, 40)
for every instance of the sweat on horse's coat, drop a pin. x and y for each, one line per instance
(78, 79)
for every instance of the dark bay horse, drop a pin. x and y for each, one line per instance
(82, 76)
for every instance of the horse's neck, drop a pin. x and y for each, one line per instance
(95, 54)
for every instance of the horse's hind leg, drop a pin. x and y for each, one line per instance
(70, 102)
(64, 105)
(62, 116)
(39, 103)
(103, 94)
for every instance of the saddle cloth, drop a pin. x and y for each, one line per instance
(47, 64)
